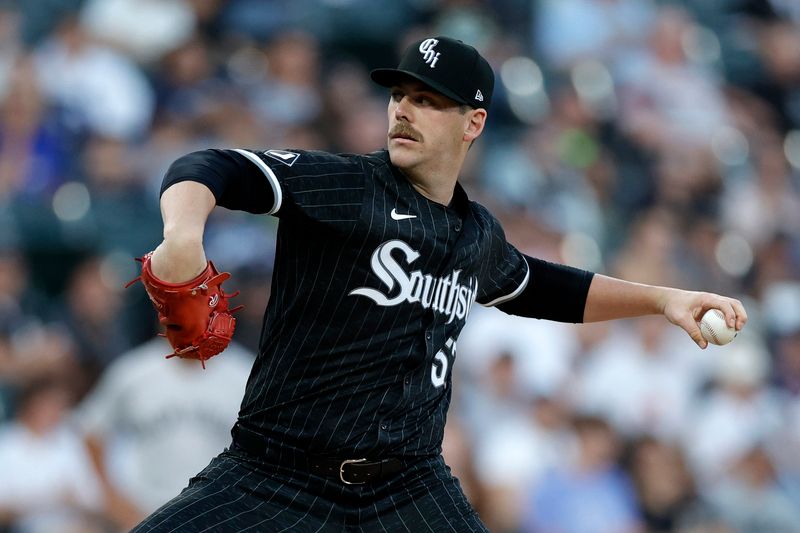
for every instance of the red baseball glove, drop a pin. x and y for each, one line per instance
(195, 313)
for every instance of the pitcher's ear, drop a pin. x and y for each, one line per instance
(475, 123)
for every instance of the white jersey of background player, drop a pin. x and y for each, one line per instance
(162, 421)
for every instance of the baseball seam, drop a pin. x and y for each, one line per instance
(711, 329)
(713, 333)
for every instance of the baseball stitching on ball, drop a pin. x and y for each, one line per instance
(709, 328)
(712, 333)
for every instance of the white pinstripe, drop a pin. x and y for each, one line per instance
(185, 494)
(276, 515)
(396, 512)
(341, 333)
(443, 483)
(313, 288)
(414, 503)
(330, 511)
(374, 199)
(196, 502)
(308, 511)
(230, 502)
(246, 510)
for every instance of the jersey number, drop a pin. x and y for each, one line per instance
(441, 363)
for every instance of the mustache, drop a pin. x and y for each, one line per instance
(403, 129)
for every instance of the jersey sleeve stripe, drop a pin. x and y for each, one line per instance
(514, 294)
(271, 178)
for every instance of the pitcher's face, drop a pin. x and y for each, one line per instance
(424, 127)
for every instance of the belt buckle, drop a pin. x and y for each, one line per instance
(341, 471)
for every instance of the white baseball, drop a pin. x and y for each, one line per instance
(714, 328)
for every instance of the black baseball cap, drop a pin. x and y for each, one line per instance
(446, 65)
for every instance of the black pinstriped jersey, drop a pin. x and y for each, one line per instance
(371, 286)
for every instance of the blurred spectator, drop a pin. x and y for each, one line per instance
(260, 19)
(30, 346)
(469, 21)
(767, 203)
(32, 150)
(781, 309)
(347, 86)
(123, 212)
(591, 494)
(782, 448)
(649, 253)
(39, 18)
(787, 360)
(290, 93)
(702, 264)
(668, 100)
(739, 412)
(568, 31)
(20, 300)
(665, 488)
(10, 43)
(781, 317)
(457, 449)
(352, 115)
(498, 393)
(363, 130)
(91, 312)
(161, 25)
(48, 482)
(535, 356)
(112, 213)
(687, 180)
(752, 501)
(168, 140)
(98, 89)
(642, 379)
(33, 351)
(643, 376)
(370, 29)
(512, 456)
(777, 261)
(546, 169)
(151, 424)
(190, 88)
(779, 50)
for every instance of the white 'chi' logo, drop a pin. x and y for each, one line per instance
(430, 55)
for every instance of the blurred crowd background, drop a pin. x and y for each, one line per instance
(651, 140)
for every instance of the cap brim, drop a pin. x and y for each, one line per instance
(392, 76)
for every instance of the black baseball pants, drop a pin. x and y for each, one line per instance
(236, 493)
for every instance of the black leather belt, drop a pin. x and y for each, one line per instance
(354, 471)
(348, 471)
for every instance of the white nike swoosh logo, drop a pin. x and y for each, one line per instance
(398, 216)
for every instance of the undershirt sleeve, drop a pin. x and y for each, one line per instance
(554, 292)
(234, 180)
